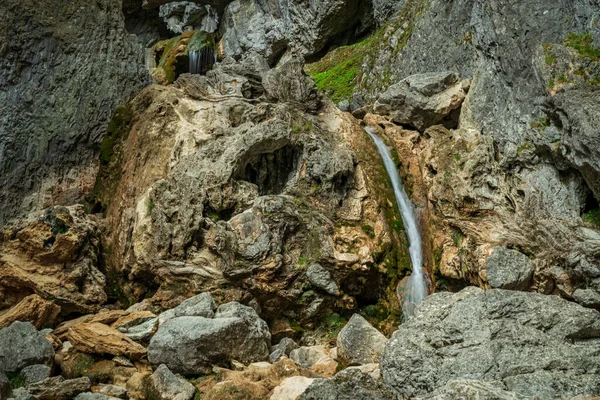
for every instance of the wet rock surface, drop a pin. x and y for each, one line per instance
(493, 336)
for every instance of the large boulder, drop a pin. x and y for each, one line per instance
(192, 345)
(33, 309)
(167, 386)
(422, 100)
(22, 345)
(359, 342)
(537, 346)
(509, 269)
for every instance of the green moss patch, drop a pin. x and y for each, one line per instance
(583, 43)
(592, 217)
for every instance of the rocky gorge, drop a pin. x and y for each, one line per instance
(192, 207)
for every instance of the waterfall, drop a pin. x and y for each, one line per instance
(202, 60)
(415, 289)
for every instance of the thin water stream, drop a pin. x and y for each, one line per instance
(415, 288)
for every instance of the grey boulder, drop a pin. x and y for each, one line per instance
(537, 346)
(350, 384)
(281, 349)
(359, 342)
(192, 344)
(422, 100)
(509, 269)
(320, 278)
(21, 345)
(35, 373)
(170, 387)
(201, 305)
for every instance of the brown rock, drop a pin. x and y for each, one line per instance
(59, 388)
(106, 317)
(136, 386)
(96, 338)
(32, 309)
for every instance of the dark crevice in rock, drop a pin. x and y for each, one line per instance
(270, 171)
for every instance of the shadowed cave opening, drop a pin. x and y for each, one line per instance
(270, 171)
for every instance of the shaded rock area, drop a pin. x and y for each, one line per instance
(51, 129)
(496, 336)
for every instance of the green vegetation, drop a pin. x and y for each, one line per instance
(368, 229)
(334, 324)
(540, 124)
(16, 380)
(85, 363)
(302, 260)
(525, 146)
(583, 43)
(118, 129)
(149, 205)
(563, 79)
(549, 56)
(337, 73)
(592, 217)
(299, 127)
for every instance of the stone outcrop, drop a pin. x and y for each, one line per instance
(192, 345)
(21, 345)
(51, 127)
(508, 269)
(34, 309)
(499, 337)
(359, 342)
(53, 254)
(243, 189)
(96, 338)
(422, 100)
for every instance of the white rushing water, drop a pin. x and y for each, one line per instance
(415, 289)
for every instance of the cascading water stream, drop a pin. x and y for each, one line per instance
(415, 289)
(202, 60)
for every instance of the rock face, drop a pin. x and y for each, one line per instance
(496, 336)
(53, 254)
(359, 342)
(21, 345)
(182, 16)
(32, 309)
(169, 387)
(321, 278)
(509, 269)
(47, 54)
(422, 100)
(96, 338)
(269, 28)
(192, 345)
(472, 389)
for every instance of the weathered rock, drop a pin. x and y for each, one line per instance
(193, 345)
(47, 155)
(281, 349)
(59, 388)
(32, 309)
(21, 345)
(288, 83)
(472, 389)
(94, 396)
(201, 305)
(54, 254)
(185, 15)
(315, 358)
(509, 269)
(142, 332)
(291, 388)
(496, 335)
(373, 370)
(359, 342)
(351, 384)
(35, 373)
(270, 28)
(587, 297)
(422, 100)
(113, 391)
(321, 278)
(96, 338)
(167, 386)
